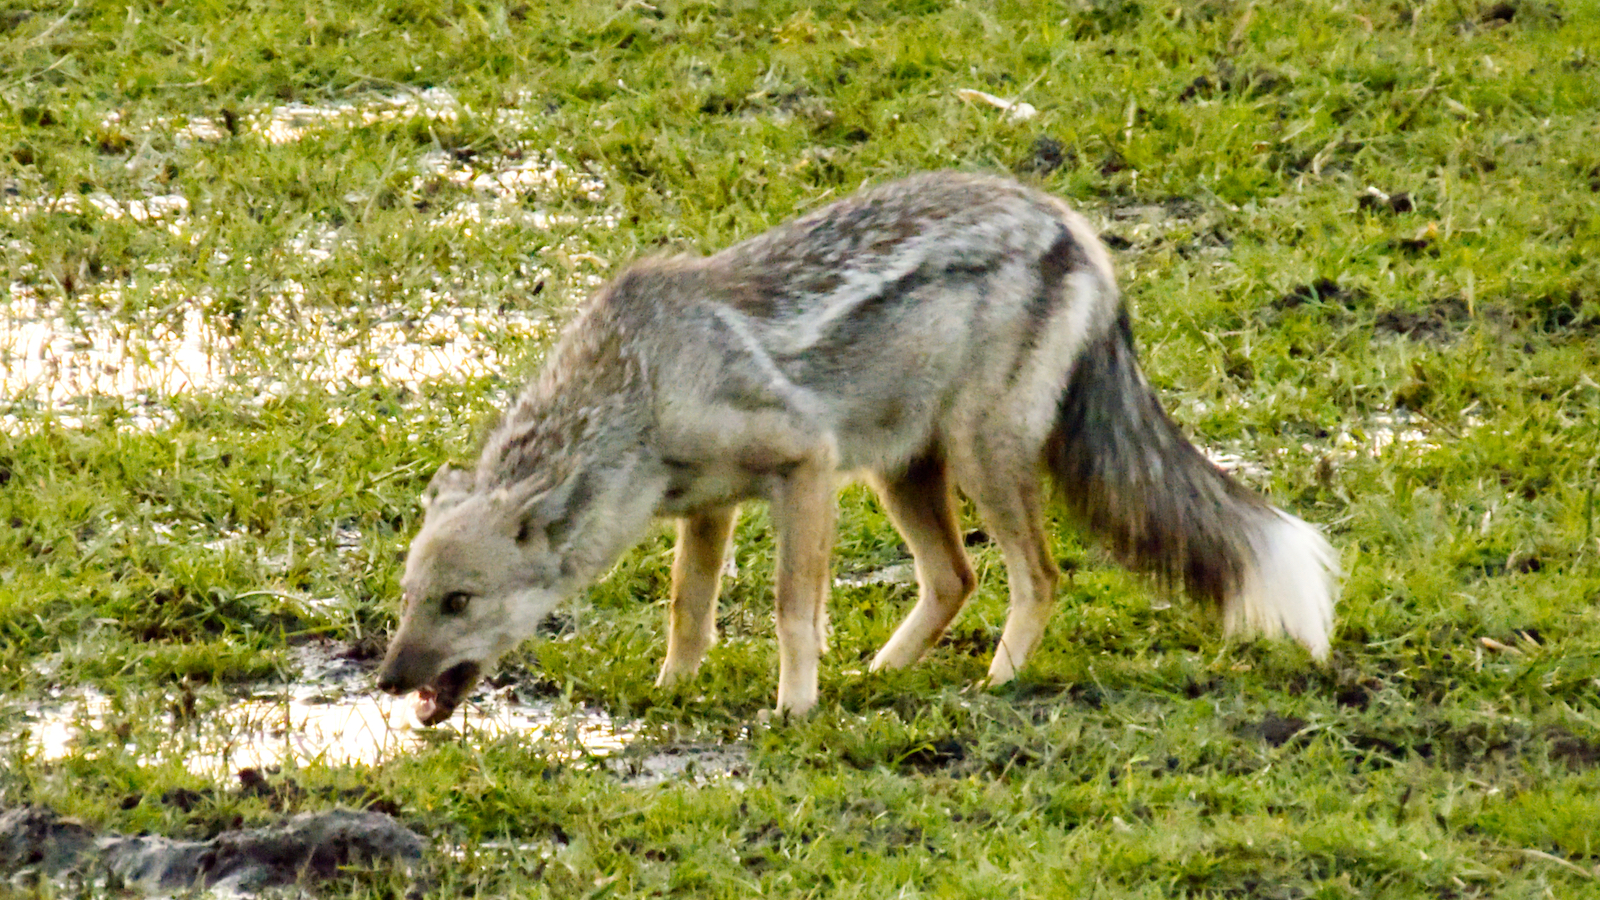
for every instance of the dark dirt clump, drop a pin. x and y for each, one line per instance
(1278, 730)
(1323, 290)
(305, 848)
(36, 837)
(1437, 321)
(1374, 201)
(934, 756)
(1573, 750)
(1048, 155)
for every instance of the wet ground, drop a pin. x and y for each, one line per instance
(140, 340)
(330, 714)
(65, 358)
(72, 345)
(68, 351)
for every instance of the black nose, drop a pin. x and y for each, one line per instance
(392, 683)
(406, 668)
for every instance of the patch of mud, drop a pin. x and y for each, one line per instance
(1048, 155)
(36, 843)
(1576, 752)
(1185, 226)
(935, 756)
(1276, 730)
(1229, 80)
(899, 573)
(1438, 321)
(1323, 290)
(697, 764)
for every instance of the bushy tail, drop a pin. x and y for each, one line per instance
(1132, 478)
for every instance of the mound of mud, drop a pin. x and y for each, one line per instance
(306, 848)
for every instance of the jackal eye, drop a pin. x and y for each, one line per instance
(454, 603)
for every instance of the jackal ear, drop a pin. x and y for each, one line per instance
(553, 512)
(448, 487)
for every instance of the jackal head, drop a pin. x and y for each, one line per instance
(486, 567)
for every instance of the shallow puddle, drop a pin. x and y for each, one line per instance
(69, 362)
(136, 342)
(1379, 435)
(330, 716)
(1386, 431)
(897, 573)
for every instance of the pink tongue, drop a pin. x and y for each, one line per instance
(426, 707)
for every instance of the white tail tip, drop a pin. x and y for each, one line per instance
(1290, 587)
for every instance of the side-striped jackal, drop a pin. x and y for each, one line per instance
(940, 333)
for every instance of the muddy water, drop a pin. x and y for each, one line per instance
(71, 368)
(138, 343)
(329, 715)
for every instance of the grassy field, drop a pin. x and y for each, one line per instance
(270, 264)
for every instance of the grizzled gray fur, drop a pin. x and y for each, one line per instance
(942, 333)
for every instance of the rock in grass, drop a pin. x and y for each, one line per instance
(305, 848)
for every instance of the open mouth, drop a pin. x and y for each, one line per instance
(436, 702)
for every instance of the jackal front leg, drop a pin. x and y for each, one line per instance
(696, 578)
(803, 516)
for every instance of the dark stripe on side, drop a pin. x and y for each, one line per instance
(1064, 256)
(930, 272)
(845, 335)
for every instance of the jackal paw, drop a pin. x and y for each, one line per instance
(898, 654)
(787, 710)
(675, 673)
(1001, 670)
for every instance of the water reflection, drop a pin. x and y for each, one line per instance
(71, 346)
(330, 716)
(70, 368)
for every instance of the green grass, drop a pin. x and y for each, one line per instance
(1224, 146)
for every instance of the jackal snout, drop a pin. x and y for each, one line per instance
(406, 668)
(438, 693)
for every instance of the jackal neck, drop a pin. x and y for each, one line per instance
(590, 397)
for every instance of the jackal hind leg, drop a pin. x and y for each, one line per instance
(703, 540)
(803, 511)
(921, 505)
(1008, 494)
